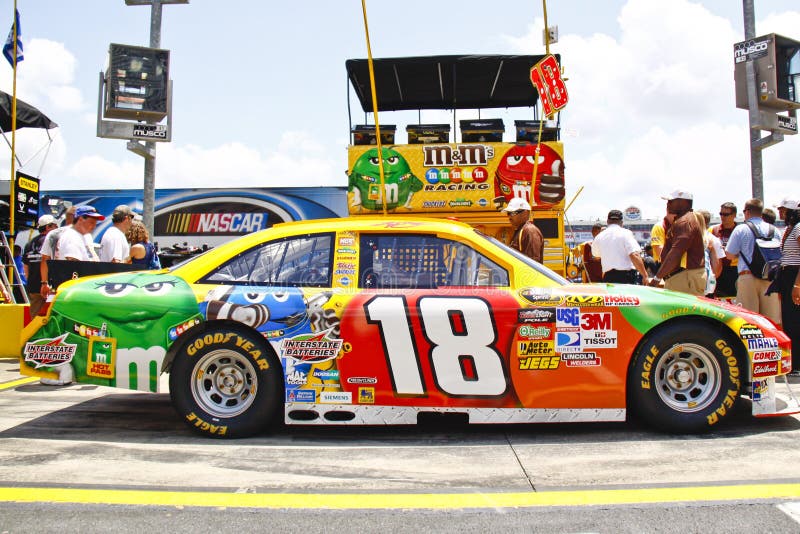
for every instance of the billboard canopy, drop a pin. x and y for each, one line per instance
(27, 115)
(446, 82)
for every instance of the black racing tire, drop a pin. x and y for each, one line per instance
(226, 382)
(686, 377)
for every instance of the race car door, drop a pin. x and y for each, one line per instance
(431, 324)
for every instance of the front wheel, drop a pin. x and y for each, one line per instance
(226, 383)
(685, 378)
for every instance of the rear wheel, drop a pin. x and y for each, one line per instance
(686, 378)
(226, 383)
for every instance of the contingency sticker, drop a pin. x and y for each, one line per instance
(49, 351)
(102, 355)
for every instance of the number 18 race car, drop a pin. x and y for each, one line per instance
(374, 320)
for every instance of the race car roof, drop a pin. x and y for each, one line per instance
(445, 82)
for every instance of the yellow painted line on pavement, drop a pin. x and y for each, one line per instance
(19, 382)
(346, 501)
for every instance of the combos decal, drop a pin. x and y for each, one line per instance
(49, 351)
(303, 333)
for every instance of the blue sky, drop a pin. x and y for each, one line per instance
(261, 96)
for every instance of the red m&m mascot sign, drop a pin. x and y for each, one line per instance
(546, 77)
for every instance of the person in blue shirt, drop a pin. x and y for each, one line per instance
(751, 290)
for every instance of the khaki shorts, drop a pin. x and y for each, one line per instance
(692, 281)
(751, 294)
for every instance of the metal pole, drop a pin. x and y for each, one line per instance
(149, 193)
(756, 162)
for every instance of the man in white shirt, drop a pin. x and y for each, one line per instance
(619, 252)
(114, 246)
(73, 244)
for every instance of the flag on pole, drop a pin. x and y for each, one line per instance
(8, 48)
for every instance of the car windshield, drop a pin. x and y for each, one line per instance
(525, 259)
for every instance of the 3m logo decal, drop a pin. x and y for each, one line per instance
(596, 321)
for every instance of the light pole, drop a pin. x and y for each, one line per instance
(756, 161)
(149, 154)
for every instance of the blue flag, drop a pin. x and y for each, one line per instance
(8, 48)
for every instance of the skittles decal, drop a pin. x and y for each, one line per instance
(115, 327)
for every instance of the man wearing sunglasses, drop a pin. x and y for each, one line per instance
(726, 281)
(527, 238)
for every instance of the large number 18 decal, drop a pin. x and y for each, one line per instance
(462, 336)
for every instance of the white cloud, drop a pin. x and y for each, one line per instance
(654, 110)
(45, 79)
(299, 159)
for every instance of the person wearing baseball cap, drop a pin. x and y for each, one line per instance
(683, 259)
(788, 281)
(619, 252)
(31, 260)
(114, 246)
(527, 238)
(76, 242)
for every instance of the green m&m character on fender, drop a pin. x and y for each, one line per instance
(120, 326)
(400, 184)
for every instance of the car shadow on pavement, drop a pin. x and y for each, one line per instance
(150, 418)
